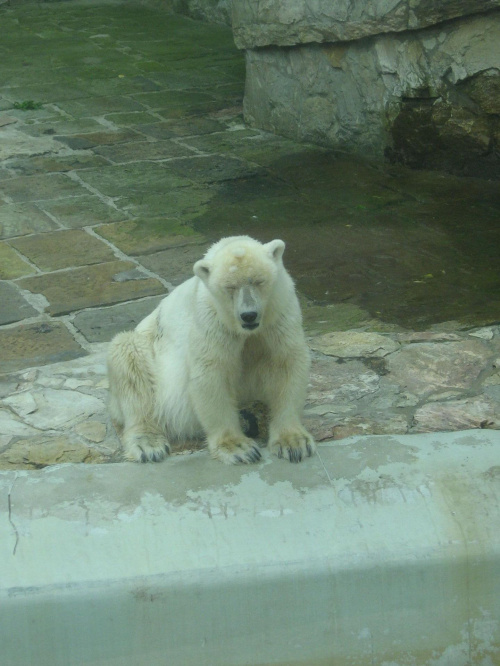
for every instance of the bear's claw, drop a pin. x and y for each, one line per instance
(146, 448)
(253, 455)
(295, 445)
(235, 451)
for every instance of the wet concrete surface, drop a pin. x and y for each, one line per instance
(124, 154)
(413, 249)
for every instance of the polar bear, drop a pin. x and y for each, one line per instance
(230, 335)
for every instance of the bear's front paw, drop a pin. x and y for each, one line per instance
(145, 447)
(294, 444)
(234, 450)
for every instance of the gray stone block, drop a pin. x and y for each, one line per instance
(426, 98)
(101, 324)
(257, 24)
(14, 306)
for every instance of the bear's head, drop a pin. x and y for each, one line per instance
(241, 274)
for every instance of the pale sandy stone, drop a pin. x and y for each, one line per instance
(12, 427)
(424, 368)
(22, 403)
(58, 409)
(354, 344)
(92, 430)
(37, 452)
(483, 333)
(464, 414)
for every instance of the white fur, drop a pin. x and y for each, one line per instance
(229, 335)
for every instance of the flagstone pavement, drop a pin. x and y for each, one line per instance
(123, 155)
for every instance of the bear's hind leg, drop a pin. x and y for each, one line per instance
(132, 398)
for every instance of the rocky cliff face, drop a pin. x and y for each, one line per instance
(415, 81)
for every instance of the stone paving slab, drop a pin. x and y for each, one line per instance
(99, 106)
(92, 139)
(12, 265)
(185, 202)
(187, 127)
(63, 249)
(145, 236)
(174, 265)
(143, 150)
(142, 178)
(90, 286)
(36, 188)
(101, 324)
(212, 169)
(35, 344)
(38, 165)
(136, 156)
(81, 211)
(14, 305)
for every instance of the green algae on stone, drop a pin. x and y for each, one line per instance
(23, 218)
(136, 151)
(63, 249)
(131, 119)
(91, 286)
(185, 203)
(212, 168)
(29, 166)
(49, 93)
(37, 344)
(28, 105)
(168, 129)
(62, 125)
(95, 106)
(319, 319)
(235, 141)
(144, 236)
(101, 324)
(178, 100)
(11, 264)
(359, 234)
(82, 211)
(93, 139)
(134, 180)
(14, 305)
(175, 264)
(39, 187)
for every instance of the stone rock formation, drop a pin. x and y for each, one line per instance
(417, 82)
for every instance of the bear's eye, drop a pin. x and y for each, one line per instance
(258, 283)
(231, 289)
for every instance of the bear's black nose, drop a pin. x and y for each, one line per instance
(248, 317)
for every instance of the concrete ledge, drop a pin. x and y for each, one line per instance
(379, 550)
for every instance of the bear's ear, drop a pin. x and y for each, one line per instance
(202, 269)
(275, 249)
